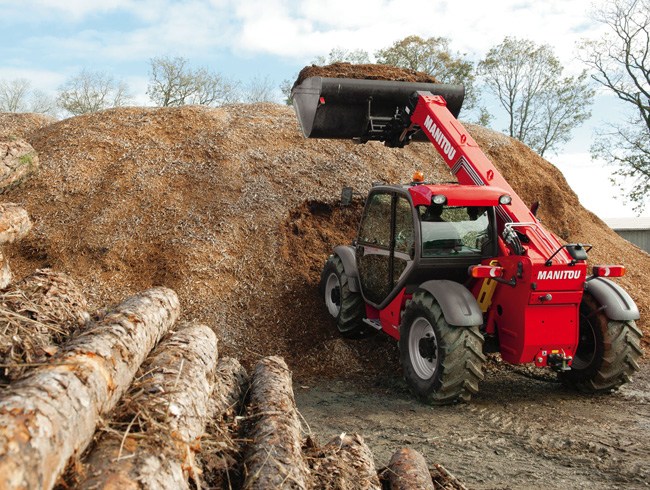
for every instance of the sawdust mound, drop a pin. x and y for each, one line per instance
(233, 209)
(364, 71)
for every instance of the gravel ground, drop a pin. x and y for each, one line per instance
(518, 432)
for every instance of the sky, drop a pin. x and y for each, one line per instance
(48, 41)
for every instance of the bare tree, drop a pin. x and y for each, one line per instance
(261, 90)
(542, 105)
(433, 56)
(14, 95)
(90, 91)
(620, 61)
(173, 82)
(18, 96)
(342, 55)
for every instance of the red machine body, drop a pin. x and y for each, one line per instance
(535, 306)
(456, 271)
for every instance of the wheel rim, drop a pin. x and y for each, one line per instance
(586, 350)
(423, 348)
(333, 295)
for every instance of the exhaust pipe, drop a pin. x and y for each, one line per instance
(346, 108)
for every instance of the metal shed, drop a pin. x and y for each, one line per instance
(635, 230)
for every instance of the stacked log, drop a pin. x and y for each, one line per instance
(221, 447)
(408, 470)
(161, 418)
(345, 462)
(18, 160)
(274, 457)
(14, 225)
(51, 414)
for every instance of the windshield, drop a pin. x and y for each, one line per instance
(458, 231)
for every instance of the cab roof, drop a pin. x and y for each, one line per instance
(457, 195)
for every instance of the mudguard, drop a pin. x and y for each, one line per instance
(618, 304)
(347, 255)
(458, 305)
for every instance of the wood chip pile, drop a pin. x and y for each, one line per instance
(233, 209)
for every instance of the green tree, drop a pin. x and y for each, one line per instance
(433, 56)
(620, 61)
(172, 82)
(90, 91)
(542, 105)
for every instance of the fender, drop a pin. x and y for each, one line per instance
(618, 304)
(458, 305)
(347, 255)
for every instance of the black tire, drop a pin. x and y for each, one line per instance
(345, 306)
(607, 354)
(453, 371)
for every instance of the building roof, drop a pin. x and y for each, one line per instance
(628, 223)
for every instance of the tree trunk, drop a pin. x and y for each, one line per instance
(408, 470)
(221, 449)
(274, 456)
(50, 415)
(160, 419)
(344, 463)
(14, 223)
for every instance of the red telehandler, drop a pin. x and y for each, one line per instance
(453, 271)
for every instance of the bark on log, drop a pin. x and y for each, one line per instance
(230, 385)
(274, 456)
(221, 450)
(344, 463)
(50, 415)
(18, 160)
(5, 271)
(408, 470)
(14, 223)
(165, 413)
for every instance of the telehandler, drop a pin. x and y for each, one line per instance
(454, 271)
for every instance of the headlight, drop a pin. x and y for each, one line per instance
(505, 199)
(439, 199)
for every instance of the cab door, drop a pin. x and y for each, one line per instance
(385, 246)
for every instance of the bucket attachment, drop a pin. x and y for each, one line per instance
(347, 108)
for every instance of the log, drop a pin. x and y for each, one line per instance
(50, 415)
(160, 419)
(273, 458)
(14, 223)
(5, 271)
(344, 463)
(18, 160)
(221, 448)
(408, 470)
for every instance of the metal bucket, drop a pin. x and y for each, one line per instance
(344, 108)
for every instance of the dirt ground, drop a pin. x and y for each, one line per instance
(517, 433)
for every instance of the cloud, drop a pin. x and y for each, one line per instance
(313, 27)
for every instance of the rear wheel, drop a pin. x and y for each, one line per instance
(345, 306)
(607, 354)
(442, 364)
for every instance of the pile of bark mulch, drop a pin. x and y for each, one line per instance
(15, 125)
(237, 212)
(364, 71)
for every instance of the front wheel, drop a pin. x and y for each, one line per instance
(345, 306)
(442, 364)
(607, 354)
